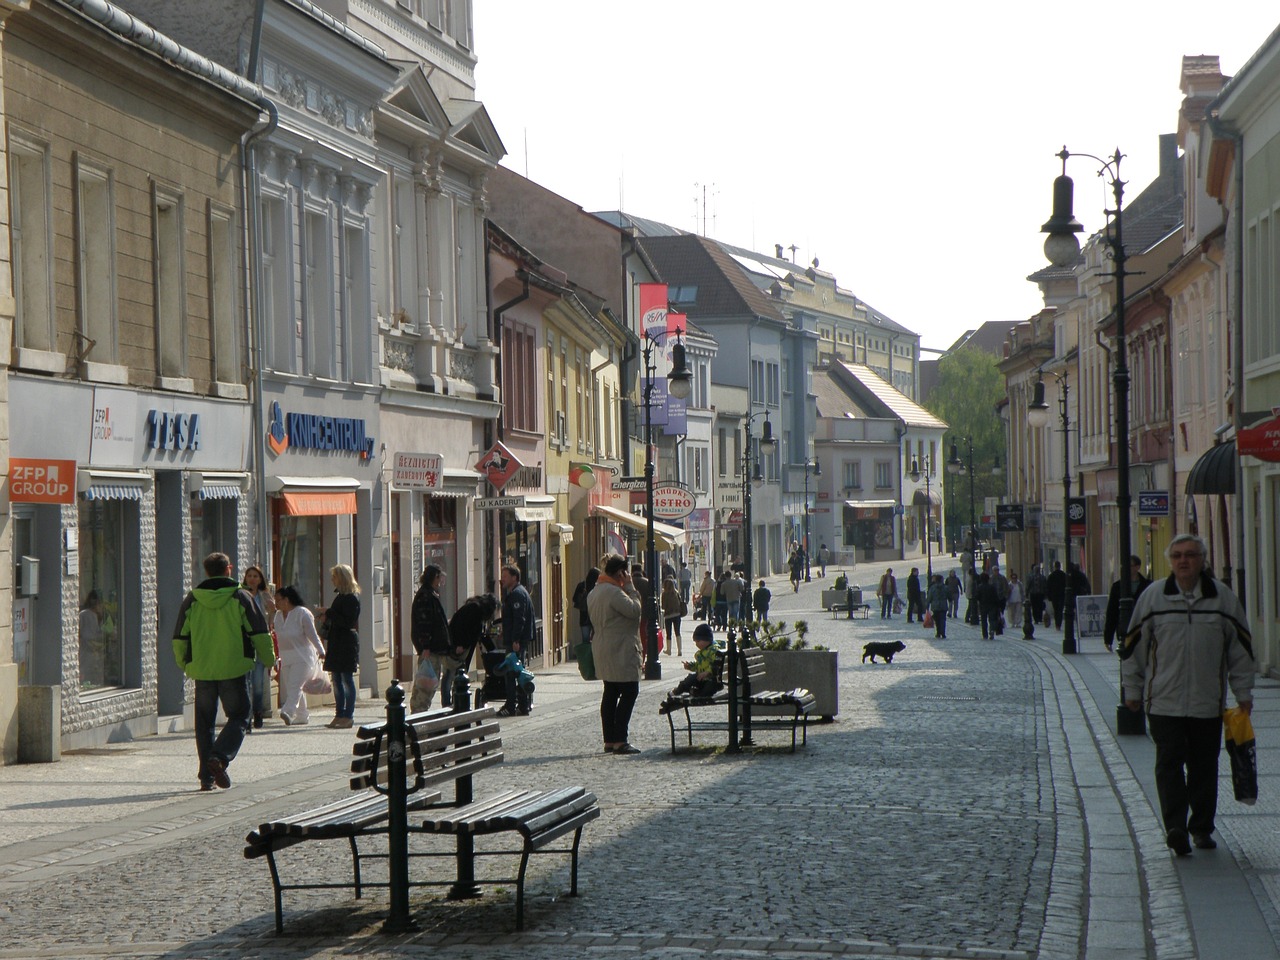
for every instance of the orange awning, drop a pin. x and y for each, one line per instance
(317, 503)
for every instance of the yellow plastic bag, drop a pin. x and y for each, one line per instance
(1242, 750)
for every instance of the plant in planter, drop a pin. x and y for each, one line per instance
(838, 594)
(842, 583)
(790, 662)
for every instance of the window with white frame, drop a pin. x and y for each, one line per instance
(32, 242)
(276, 298)
(773, 385)
(404, 239)
(222, 296)
(316, 346)
(96, 258)
(884, 474)
(757, 381)
(353, 361)
(722, 451)
(852, 475)
(167, 233)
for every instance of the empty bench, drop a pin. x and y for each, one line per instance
(793, 706)
(445, 748)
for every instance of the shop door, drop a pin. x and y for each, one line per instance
(557, 652)
(25, 591)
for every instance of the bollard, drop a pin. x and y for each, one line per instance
(849, 601)
(1028, 623)
(465, 888)
(398, 920)
(732, 656)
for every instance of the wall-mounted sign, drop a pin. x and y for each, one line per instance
(1262, 440)
(42, 481)
(1153, 503)
(173, 431)
(1009, 517)
(310, 431)
(497, 503)
(1076, 526)
(498, 465)
(672, 501)
(418, 471)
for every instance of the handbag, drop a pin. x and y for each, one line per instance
(586, 658)
(317, 684)
(928, 619)
(1242, 749)
(425, 677)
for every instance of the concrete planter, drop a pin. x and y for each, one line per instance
(815, 670)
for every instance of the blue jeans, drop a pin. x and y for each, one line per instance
(233, 694)
(344, 694)
(259, 689)
(733, 609)
(886, 608)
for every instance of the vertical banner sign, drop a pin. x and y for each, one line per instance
(1076, 517)
(653, 327)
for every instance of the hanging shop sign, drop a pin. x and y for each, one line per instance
(1076, 513)
(311, 431)
(418, 471)
(1009, 517)
(1153, 503)
(672, 501)
(1261, 440)
(41, 481)
(498, 465)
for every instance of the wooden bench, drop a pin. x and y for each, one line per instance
(752, 692)
(863, 610)
(445, 747)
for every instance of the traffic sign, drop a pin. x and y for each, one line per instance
(1153, 503)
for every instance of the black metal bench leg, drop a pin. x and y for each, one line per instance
(275, 884)
(355, 867)
(524, 865)
(573, 874)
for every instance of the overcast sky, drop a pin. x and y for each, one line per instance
(909, 146)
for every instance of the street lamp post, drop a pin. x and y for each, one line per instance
(679, 385)
(915, 478)
(1038, 416)
(817, 472)
(1063, 249)
(750, 474)
(957, 466)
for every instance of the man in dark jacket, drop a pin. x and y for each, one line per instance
(1137, 583)
(915, 600)
(218, 633)
(1037, 592)
(429, 631)
(1057, 584)
(517, 636)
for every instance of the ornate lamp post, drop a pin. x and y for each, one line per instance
(1038, 416)
(928, 542)
(1063, 249)
(679, 385)
(750, 475)
(957, 466)
(809, 463)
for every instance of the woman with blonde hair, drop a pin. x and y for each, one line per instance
(342, 619)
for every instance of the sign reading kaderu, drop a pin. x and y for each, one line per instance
(32, 480)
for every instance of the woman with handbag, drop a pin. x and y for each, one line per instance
(343, 619)
(430, 635)
(300, 653)
(672, 611)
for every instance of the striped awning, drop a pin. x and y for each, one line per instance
(113, 491)
(219, 491)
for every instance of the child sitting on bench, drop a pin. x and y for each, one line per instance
(701, 681)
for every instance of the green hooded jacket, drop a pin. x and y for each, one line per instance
(218, 632)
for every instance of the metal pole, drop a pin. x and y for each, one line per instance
(807, 578)
(1068, 596)
(1121, 380)
(398, 919)
(928, 522)
(652, 667)
(731, 667)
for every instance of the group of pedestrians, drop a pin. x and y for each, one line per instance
(229, 634)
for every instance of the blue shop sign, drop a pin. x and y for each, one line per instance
(173, 431)
(311, 431)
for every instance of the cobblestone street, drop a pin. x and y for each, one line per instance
(956, 808)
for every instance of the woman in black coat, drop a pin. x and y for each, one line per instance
(429, 632)
(342, 646)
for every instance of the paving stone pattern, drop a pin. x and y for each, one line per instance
(923, 823)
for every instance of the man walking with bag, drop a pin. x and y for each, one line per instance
(219, 631)
(1200, 629)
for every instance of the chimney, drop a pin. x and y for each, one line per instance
(777, 251)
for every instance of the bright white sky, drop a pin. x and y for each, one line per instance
(908, 145)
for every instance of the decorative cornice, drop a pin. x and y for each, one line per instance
(310, 95)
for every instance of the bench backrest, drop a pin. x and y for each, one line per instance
(752, 669)
(441, 746)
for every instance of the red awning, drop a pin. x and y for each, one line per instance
(318, 503)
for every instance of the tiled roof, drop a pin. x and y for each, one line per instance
(832, 399)
(724, 289)
(643, 226)
(895, 403)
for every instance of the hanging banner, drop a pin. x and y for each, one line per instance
(1076, 526)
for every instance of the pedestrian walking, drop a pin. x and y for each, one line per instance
(887, 591)
(989, 606)
(1202, 634)
(796, 564)
(731, 589)
(214, 621)
(672, 612)
(938, 601)
(429, 632)
(824, 556)
(1013, 603)
(706, 590)
(760, 600)
(619, 659)
(915, 597)
(686, 583)
(342, 644)
(1056, 584)
(1137, 583)
(263, 593)
(580, 602)
(1037, 593)
(954, 589)
(301, 654)
(518, 633)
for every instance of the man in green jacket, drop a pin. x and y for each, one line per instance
(218, 633)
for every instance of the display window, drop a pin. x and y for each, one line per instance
(299, 553)
(102, 549)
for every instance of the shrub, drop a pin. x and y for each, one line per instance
(842, 582)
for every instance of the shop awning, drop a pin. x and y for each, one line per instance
(1215, 471)
(219, 491)
(315, 496)
(536, 509)
(665, 536)
(922, 498)
(112, 484)
(870, 504)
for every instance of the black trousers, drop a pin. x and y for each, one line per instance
(616, 705)
(1187, 751)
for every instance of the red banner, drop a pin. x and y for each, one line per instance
(1261, 440)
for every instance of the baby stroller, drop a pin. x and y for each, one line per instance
(494, 687)
(498, 666)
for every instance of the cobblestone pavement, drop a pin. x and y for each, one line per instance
(946, 813)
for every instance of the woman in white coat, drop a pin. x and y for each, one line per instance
(300, 653)
(614, 605)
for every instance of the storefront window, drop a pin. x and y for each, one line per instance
(101, 593)
(213, 529)
(300, 549)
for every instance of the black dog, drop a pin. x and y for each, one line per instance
(886, 650)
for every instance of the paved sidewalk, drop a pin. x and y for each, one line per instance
(971, 800)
